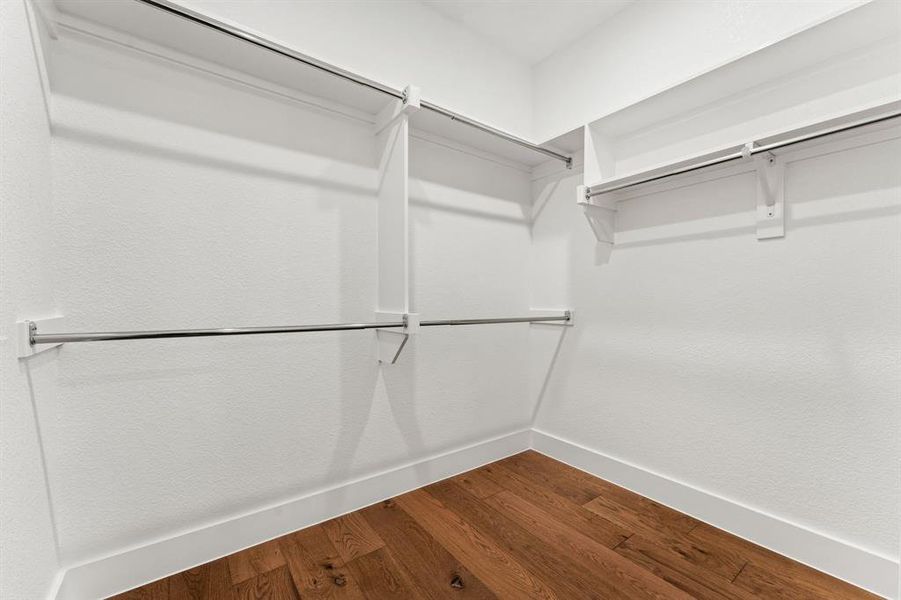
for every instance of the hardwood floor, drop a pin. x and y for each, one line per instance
(523, 527)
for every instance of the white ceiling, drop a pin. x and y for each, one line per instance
(530, 29)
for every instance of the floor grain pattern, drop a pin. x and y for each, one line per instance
(523, 527)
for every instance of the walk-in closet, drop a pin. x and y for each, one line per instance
(437, 299)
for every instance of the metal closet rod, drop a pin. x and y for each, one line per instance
(237, 32)
(598, 190)
(65, 338)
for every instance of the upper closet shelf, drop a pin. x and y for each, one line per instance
(845, 65)
(171, 26)
(751, 114)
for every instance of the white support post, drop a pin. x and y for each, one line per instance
(770, 196)
(392, 142)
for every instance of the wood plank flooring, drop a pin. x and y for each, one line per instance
(523, 527)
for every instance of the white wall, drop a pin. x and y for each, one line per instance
(398, 43)
(651, 46)
(233, 222)
(764, 372)
(28, 562)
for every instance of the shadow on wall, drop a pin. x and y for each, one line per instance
(545, 195)
(200, 100)
(547, 368)
(367, 383)
(470, 179)
(204, 160)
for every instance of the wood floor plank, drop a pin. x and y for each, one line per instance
(275, 584)
(596, 527)
(601, 560)
(220, 580)
(206, 582)
(254, 561)
(582, 485)
(781, 572)
(382, 578)
(763, 583)
(527, 464)
(686, 575)
(433, 569)
(352, 536)
(657, 514)
(494, 566)
(158, 590)
(653, 519)
(193, 584)
(710, 557)
(566, 577)
(316, 567)
(477, 483)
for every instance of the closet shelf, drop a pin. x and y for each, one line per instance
(827, 80)
(806, 134)
(201, 36)
(766, 156)
(844, 65)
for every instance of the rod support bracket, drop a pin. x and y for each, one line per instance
(412, 97)
(26, 330)
(770, 195)
(391, 342)
(600, 212)
(748, 150)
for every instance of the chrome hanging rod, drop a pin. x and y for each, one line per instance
(241, 34)
(566, 316)
(738, 155)
(35, 337)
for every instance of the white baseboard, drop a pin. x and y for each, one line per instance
(860, 567)
(128, 569)
(136, 566)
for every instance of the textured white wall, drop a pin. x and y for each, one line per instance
(263, 220)
(764, 372)
(653, 45)
(28, 561)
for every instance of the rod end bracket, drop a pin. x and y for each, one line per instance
(541, 312)
(27, 330)
(770, 196)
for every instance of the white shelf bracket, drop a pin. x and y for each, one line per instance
(601, 215)
(770, 196)
(391, 342)
(25, 329)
